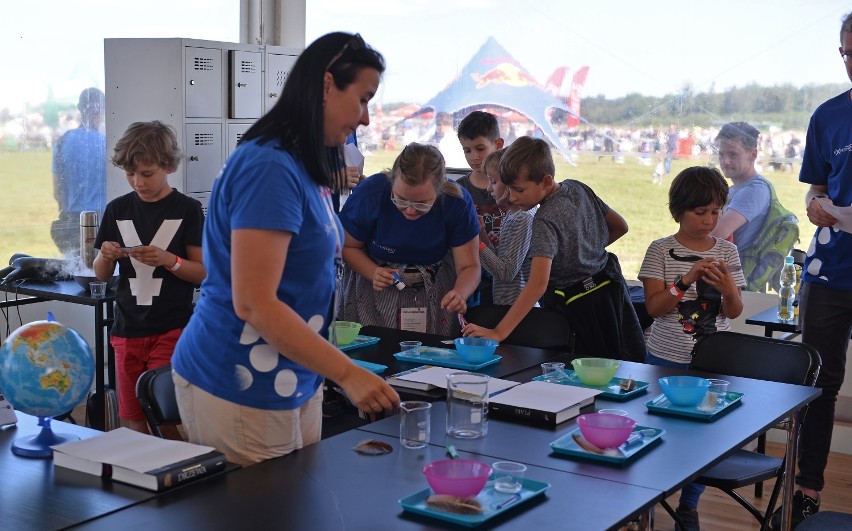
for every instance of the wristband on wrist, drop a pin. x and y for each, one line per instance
(177, 265)
(677, 292)
(482, 246)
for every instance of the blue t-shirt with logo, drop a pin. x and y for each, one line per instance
(827, 161)
(261, 187)
(369, 216)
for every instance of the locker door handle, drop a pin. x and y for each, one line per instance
(193, 158)
(273, 94)
(242, 85)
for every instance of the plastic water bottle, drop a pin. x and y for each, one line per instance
(787, 292)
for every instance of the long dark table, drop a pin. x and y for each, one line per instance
(34, 495)
(328, 486)
(69, 291)
(515, 359)
(688, 448)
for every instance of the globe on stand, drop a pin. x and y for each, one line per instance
(46, 369)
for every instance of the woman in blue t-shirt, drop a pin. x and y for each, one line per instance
(420, 227)
(249, 366)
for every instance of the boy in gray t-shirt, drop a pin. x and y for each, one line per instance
(571, 269)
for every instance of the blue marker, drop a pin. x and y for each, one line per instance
(397, 281)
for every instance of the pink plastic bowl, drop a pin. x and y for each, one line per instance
(605, 430)
(457, 477)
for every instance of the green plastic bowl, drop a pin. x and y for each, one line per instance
(595, 371)
(346, 331)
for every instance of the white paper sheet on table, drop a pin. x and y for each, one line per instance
(842, 214)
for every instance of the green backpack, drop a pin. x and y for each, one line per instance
(762, 263)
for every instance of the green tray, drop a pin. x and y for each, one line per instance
(488, 498)
(610, 391)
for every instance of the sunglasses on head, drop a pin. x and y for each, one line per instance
(354, 43)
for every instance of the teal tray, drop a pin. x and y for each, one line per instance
(610, 391)
(566, 445)
(488, 498)
(358, 342)
(377, 368)
(444, 357)
(660, 404)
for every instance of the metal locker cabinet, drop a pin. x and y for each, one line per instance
(203, 75)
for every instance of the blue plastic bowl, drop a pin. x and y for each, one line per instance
(475, 349)
(684, 391)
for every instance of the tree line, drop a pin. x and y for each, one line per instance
(785, 106)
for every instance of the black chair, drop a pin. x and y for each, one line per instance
(761, 358)
(541, 328)
(156, 393)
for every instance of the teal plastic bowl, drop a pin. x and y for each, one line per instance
(684, 391)
(475, 349)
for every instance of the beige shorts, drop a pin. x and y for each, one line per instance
(246, 435)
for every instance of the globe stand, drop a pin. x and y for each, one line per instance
(39, 445)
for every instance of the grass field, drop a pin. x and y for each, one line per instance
(27, 206)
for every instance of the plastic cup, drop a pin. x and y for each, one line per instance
(508, 476)
(552, 370)
(414, 424)
(98, 289)
(410, 348)
(619, 412)
(720, 389)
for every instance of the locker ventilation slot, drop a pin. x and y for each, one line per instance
(279, 78)
(203, 139)
(239, 138)
(203, 63)
(247, 67)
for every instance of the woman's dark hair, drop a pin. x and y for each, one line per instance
(297, 119)
(695, 187)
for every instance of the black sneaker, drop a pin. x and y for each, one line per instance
(803, 507)
(689, 517)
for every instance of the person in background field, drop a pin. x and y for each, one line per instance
(154, 233)
(79, 172)
(671, 148)
(479, 135)
(418, 225)
(692, 284)
(826, 296)
(571, 270)
(749, 198)
(248, 369)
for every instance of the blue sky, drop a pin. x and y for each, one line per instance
(648, 47)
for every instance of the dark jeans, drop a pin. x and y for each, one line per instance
(826, 318)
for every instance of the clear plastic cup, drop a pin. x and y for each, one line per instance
(508, 476)
(98, 289)
(411, 348)
(720, 389)
(552, 370)
(619, 412)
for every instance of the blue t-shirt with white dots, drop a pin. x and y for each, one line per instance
(261, 187)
